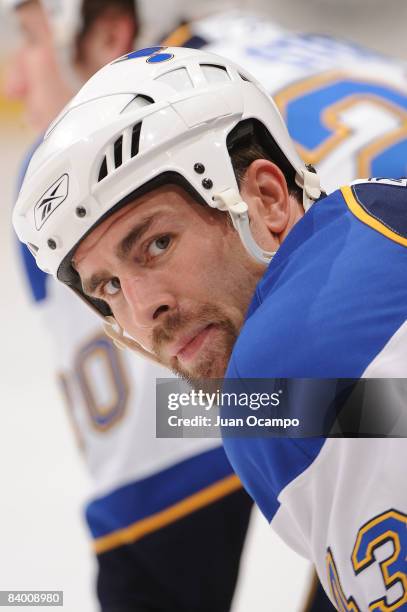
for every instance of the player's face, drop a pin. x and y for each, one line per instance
(176, 277)
(33, 75)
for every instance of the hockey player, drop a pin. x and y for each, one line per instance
(365, 109)
(138, 228)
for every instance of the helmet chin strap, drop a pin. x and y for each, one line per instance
(231, 201)
(113, 330)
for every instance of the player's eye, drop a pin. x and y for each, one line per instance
(158, 245)
(112, 287)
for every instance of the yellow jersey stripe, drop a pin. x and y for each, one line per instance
(194, 502)
(179, 37)
(364, 216)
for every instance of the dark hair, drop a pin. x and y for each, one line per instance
(250, 140)
(91, 10)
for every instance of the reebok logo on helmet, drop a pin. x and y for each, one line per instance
(49, 202)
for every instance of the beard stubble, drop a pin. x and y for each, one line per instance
(213, 360)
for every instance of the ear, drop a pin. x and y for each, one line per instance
(265, 190)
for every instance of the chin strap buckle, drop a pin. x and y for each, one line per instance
(311, 186)
(113, 330)
(230, 201)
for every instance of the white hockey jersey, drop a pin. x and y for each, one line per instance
(346, 107)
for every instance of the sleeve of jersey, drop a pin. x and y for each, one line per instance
(36, 278)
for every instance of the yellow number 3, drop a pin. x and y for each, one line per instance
(391, 526)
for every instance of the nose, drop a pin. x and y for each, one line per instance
(148, 301)
(15, 85)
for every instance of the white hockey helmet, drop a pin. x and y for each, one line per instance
(155, 116)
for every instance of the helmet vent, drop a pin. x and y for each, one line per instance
(32, 248)
(118, 152)
(103, 170)
(177, 79)
(214, 73)
(135, 139)
(138, 102)
(142, 100)
(125, 147)
(242, 76)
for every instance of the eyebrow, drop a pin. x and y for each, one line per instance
(89, 285)
(128, 242)
(122, 251)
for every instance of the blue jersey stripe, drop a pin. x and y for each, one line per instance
(143, 498)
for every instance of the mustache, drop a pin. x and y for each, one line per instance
(178, 321)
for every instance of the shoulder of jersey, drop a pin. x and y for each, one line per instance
(320, 295)
(380, 203)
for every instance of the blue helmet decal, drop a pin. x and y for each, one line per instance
(153, 55)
